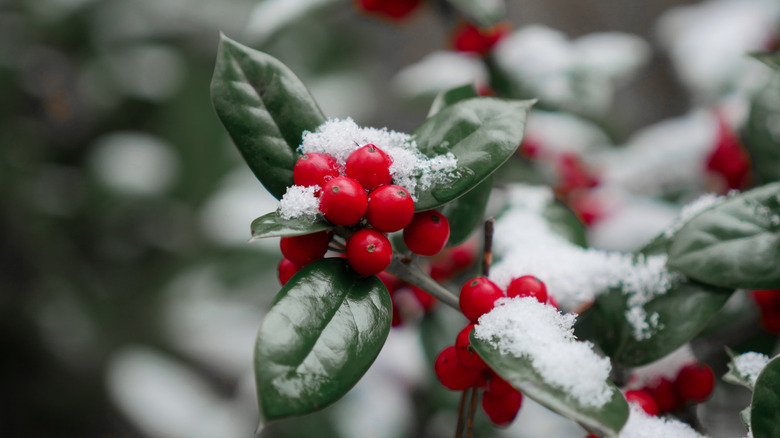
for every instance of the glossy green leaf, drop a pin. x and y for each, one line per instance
(265, 109)
(606, 420)
(482, 133)
(324, 330)
(735, 244)
(772, 59)
(765, 407)
(465, 214)
(682, 312)
(762, 138)
(449, 97)
(274, 225)
(483, 12)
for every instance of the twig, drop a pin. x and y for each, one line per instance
(461, 406)
(472, 411)
(487, 257)
(408, 271)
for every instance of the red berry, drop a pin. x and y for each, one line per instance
(390, 208)
(573, 174)
(370, 166)
(527, 286)
(695, 383)
(315, 169)
(286, 270)
(767, 299)
(428, 233)
(770, 321)
(396, 9)
(477, 297)
(343, 201)
(466, 354)
(470, 38)
(369, 252)
(499, 386)
(452, 374)
(644, 400)
(664, 394)
(502, 409)
(305, 249)
(729, 158)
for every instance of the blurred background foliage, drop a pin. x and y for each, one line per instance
(129, 298)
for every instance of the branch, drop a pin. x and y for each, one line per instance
(404, 269)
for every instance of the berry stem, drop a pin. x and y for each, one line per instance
(411, 273)
(487, 257)
(472, 411)
(461, 407)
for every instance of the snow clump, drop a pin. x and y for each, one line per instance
(526, 328)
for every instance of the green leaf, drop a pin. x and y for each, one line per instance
(449, 97)
(274, 225)
(324, 330)
(737, 376)
(484, 12)
(735, 244)
(744, 416)
(772, 59)
(265, 109)
(465, 214)
(682, 312)
(607, 420)
(482, 133)
(762, 139)
(765, 407)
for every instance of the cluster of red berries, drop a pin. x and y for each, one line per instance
(729, 159)
(459, 367)
(361, 195)
(694, 384)
(410, 301)
(769, 307)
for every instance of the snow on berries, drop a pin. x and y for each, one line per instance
(365, 179)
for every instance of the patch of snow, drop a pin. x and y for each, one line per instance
(440, 71)
(299, 201)
(526, 328)
(749, 365)
(642, 425)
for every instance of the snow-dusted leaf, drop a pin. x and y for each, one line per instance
(735, 244)
(274, 225)
(744, 416)
(745, 368)
(482, 133)
(484, 12)
(524, 342)
(265, 109)
(323, 331)
(638, 335)
(766, 402)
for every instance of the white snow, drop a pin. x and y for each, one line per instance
(439, 71)
(642, 425)
(299, 201)
(579, 75)
(708, 43)
(664, 157)
(340, 137)
(749, 365)
(524, 327)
